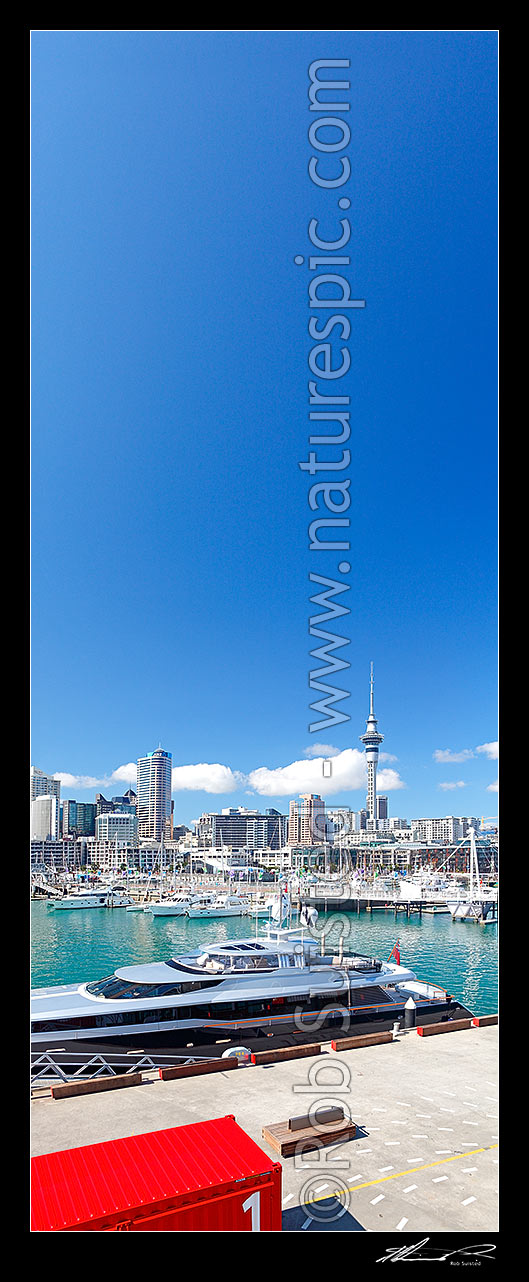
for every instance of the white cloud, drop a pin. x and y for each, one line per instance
(387, 756)
(321, 750)
(123, 774)
(206, 778)
(348, 773)
(76, 781)
(489, 750)
(493, 787)
(447, 787)
(389, 781)
(447, 757)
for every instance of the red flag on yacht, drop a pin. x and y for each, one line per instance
(395, 952)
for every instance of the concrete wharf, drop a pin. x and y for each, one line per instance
(424, 1158)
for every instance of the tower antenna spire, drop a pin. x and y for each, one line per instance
(371, 740)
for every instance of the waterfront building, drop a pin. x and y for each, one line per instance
(240, 828)
(341, 822)
(116, 825)
(449, 828)
(109, 856)
(371, 740)
(52, 855)
(154, 794)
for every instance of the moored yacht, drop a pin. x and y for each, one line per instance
(279, 982)
(113, 897)
(179, 905)
(222, 906)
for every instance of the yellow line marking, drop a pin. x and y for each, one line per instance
(412, 1170)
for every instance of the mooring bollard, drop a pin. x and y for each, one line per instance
(409, 1013)
(396, 1029)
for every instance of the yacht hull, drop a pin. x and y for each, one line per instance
(211, 1043)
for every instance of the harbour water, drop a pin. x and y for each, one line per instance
(72, 947)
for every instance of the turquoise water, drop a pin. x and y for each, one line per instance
(69, 948)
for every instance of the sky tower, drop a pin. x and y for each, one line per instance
(371, 739)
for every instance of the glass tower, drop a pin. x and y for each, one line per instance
(154, 793)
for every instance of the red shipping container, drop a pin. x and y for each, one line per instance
(209, 1177)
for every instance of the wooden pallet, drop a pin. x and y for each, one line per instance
(286, 1142)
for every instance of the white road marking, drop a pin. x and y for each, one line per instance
(441, 1150)
(321, 1188)
(445, 1128)
(388, 1143)
(419, 1137)
(423, 1114)
(467, 1170)
(402, 1103)
(429, 1098)
(364, 1150)
(415, 1159)
(288, 1198)
(446, 1110)
(493, 1115)
(410, 1188)
(382, 1169)
(397, 1123)
(401, 1224)
(438, 1179)
(467, 1201)
(467, 1123)
(380, 1198)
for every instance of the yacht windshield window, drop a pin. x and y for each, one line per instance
(115, 989)
(266, 962)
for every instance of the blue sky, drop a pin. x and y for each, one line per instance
(170, 590)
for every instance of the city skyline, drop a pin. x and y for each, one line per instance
(171, 202)
(329, 772)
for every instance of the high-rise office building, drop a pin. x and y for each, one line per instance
(78, 818)
(153, 805)
(382, 807)
(371, 739)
